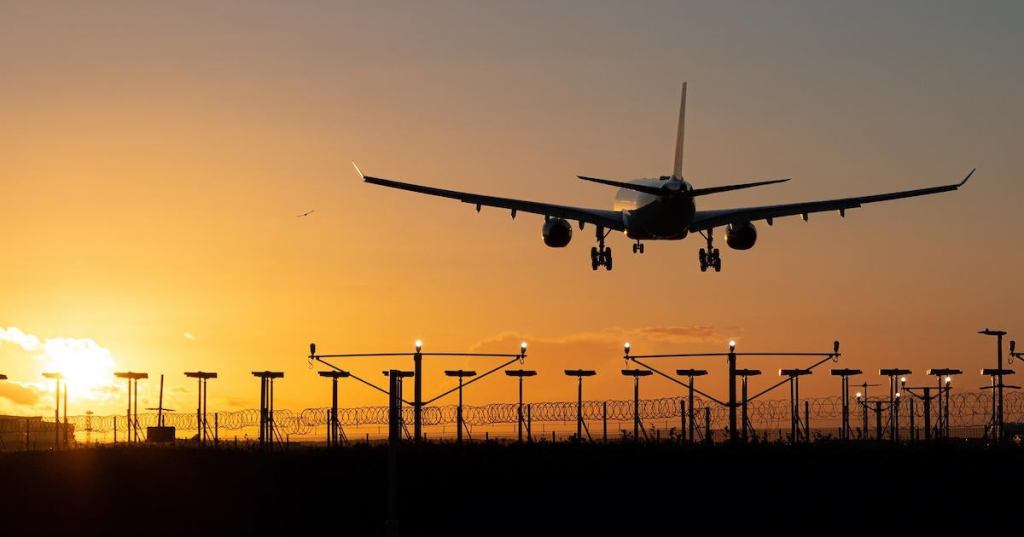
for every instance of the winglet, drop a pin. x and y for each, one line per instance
(361, 176)
(964, 182)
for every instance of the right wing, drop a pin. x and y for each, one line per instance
(705, 220)
(598, 217)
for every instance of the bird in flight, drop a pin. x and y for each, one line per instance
(307, 213)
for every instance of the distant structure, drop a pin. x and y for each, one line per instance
(132, 416)
(267, 405)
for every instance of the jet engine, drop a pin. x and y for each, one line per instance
(557, 232)
(741, 236)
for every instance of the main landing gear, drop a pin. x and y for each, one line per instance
(601, 256)
(710, 258)
(638, 248)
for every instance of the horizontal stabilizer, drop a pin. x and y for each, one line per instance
(726, 188)
(646, 189)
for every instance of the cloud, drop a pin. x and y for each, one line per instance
(615, 337)
(685, 334)
(26, 395)
(16, 336)
(86, 365)
(600, 350)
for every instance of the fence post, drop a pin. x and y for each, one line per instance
(604, 421)
(707, 425)
(682, 422)
(807, 420)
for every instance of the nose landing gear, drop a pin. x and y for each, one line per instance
(710, 258)
(601, 256)
(638, 248)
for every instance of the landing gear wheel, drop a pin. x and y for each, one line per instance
(710, 258)
(600, 256)
(641, 245)
(638, 247)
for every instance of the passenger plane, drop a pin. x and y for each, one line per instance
(661, 208)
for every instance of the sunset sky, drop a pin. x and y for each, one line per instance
(154, 156)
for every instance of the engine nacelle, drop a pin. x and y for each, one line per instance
(557, 232)
(741, 236)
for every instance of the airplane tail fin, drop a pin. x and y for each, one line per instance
(677, 170)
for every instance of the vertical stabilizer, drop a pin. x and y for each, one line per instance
(677, 170)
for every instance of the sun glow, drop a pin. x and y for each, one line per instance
(88, 368)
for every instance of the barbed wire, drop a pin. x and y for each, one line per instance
(965, 409)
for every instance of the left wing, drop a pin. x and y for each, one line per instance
(598, 217)
(704, 220)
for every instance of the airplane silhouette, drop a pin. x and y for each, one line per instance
(307, 213)
(661, 208)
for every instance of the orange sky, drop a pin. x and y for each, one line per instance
(154, 159)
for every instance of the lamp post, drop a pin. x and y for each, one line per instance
(636, 374)
(944, 379)
(267, 405)
(894, 398)
(459, 374)
(744, 374)
(201, 378)
(997, 395)
(579, 374)
(520, 374)
(132, 423)
(844, 391)
(690, 374)
(56, 408)
(334, 425)
(794, 402)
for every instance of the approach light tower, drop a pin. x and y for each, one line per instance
(132, 425)
(997, 377)
(201, 425)
(520, 374)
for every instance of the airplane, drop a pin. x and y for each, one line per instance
(661, 208)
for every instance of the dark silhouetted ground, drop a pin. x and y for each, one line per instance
(493, 489)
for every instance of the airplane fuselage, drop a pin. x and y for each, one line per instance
(651, 217)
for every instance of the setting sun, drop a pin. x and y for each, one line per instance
(87, 367)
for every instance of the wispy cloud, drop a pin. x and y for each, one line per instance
(615, 336)
(16, 336)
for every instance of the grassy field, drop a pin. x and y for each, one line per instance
(499, 489)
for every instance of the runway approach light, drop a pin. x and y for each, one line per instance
(903, 380)
(625, 348)
(732, 345)
(522, 347)
(858, 395)
(419, 345)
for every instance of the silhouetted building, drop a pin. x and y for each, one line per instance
(19, 432)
